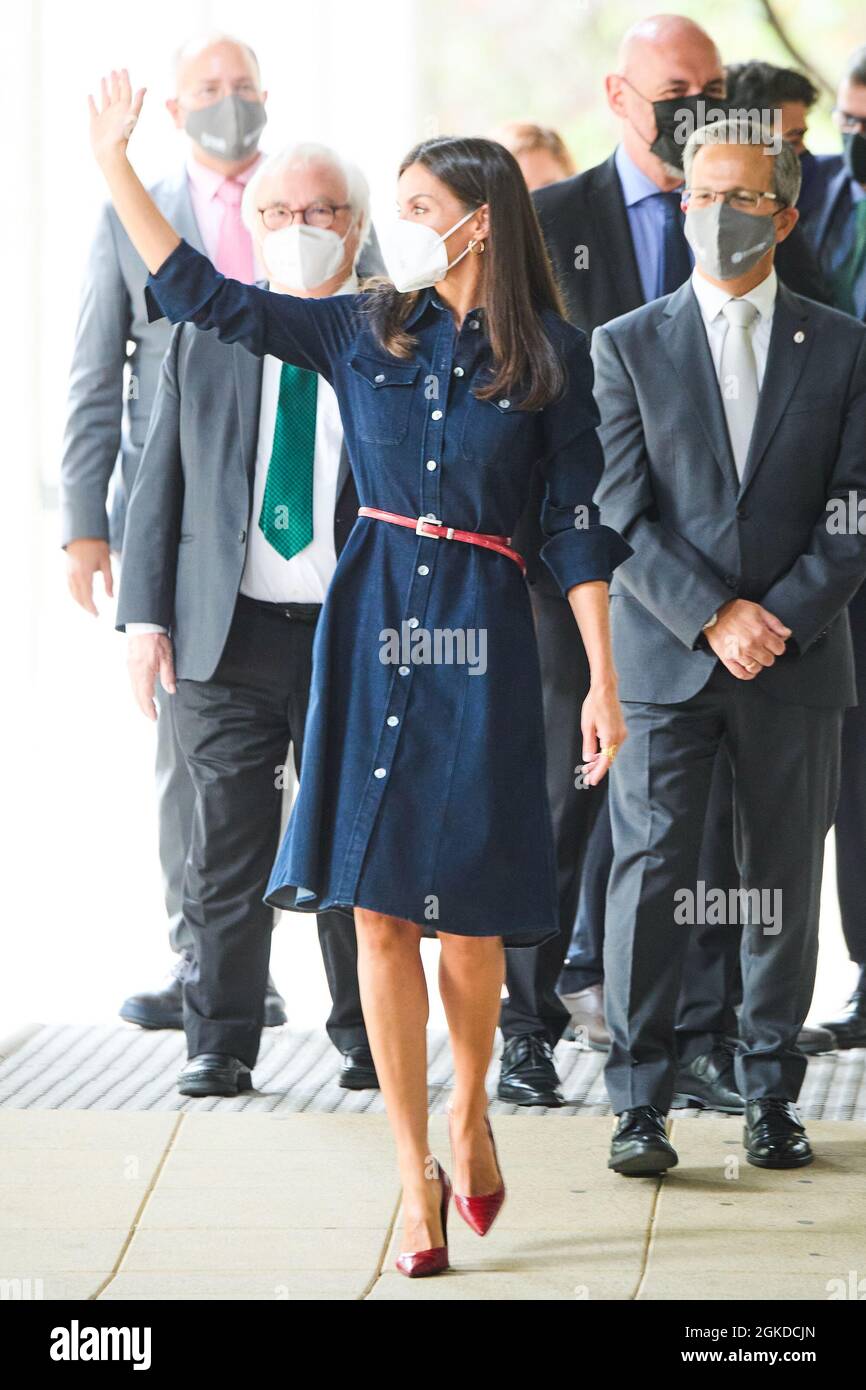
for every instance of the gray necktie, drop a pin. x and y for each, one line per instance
(738, 378)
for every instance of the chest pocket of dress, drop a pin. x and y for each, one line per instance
(493, 430)
(384, 395)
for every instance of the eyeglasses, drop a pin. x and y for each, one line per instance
(743, 199)
(323, 215)
(848, 124)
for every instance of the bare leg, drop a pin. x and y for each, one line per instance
(396, 1008)
(471, 972)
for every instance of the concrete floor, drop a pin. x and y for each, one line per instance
(132, 1205)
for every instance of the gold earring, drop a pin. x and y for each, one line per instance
(476, 247)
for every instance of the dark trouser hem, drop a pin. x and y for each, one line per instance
(235, 1037)
(235, 730)
(784, 756)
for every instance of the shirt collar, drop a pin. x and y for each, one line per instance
(428, 298)
(634, 182)
(207, 182)
(712, 298)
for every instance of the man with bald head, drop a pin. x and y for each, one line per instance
(615, 236)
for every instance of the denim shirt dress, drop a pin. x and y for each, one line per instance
(422, 791)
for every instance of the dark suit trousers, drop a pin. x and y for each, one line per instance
(710, 987)
(235, 731)
(785, 761)
(531, 974)
(851, 811)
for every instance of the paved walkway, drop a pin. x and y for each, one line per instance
(125, 1205)
(112, 1186)
(115, 1067)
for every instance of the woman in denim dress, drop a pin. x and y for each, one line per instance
(422, 805)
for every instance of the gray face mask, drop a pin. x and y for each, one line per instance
(230, 129)
(727, 242)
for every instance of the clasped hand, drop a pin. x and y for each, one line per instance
(747, 638)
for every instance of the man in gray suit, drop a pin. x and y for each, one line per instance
(220, 103)
(242, 503)
(733, 418)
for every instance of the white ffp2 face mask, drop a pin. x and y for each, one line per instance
(414, 254)
(301, 257)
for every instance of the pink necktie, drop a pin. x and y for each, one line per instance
(234, 256)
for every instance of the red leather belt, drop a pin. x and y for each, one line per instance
(431, 526)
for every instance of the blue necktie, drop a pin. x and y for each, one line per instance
(675, 264)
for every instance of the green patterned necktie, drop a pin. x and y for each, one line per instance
(287, 507)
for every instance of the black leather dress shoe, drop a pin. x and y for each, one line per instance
(849, 1029)
(163, 1007)
(214, 1074)
(813, 1041)
(358, 1072)
(528, 1073)
(160, 1008)
(640, 1146)
(774, 1135)
(708, 1082)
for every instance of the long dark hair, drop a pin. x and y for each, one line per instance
(517, 282)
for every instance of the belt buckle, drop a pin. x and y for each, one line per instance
(427, 521)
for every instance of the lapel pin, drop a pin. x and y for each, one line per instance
(799, 336)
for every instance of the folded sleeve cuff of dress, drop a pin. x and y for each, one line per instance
(185, 282)
(578, 556)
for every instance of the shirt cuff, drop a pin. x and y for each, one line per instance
(579, 556)
(137, 629)
(185, 282)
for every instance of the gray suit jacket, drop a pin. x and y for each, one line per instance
(104, 431)
(189, 513)
(701, 536)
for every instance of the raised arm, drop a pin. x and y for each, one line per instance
(111, 125)
(183, 284)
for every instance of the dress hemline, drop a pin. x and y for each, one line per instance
(284, 898)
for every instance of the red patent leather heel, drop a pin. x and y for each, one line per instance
(481, 1212)
(418, 1264)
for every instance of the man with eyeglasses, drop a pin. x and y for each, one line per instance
(615, 237)
(242, 503)
(840, 240)
(219, 103)
(730, 633)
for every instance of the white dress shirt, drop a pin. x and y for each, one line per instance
(267, 574)
(711, 298)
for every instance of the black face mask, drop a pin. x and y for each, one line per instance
(854, 155)
(676, 118)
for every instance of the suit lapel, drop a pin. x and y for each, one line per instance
(248, 385)
(685, 340)
(832, 195)
(786, 358)
(608, 211)
(180, 211)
